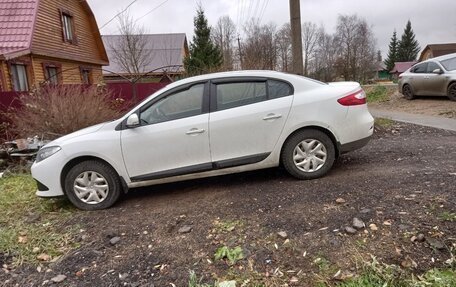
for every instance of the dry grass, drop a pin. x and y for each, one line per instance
(59, 110)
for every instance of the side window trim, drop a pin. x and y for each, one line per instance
(205, 107)
(215, 82)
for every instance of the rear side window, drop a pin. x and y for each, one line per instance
(278, 89)
(449, 64)
(231, 95)
(421, 68)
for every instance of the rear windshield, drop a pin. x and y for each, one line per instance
(449, 64)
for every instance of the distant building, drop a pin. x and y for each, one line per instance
(400, 67)
(435, 50)
(167, 53)
(56, 42)
(382, 73)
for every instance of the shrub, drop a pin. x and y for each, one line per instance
(58, 110)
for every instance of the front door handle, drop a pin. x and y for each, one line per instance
(272, 117)
(195, 131)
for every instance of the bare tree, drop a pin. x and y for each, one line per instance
(259, 49)
(130, 50)
(283, 41)
(357, 48)
(323, 61)
(224, 35)
(309, 42)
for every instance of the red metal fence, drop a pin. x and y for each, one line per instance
(129, 92)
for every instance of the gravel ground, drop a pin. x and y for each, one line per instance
(401, 187)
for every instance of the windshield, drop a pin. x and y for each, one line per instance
(449, 64)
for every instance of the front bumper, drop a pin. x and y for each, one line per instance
(47, 173)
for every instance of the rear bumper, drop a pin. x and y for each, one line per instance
(351, 146)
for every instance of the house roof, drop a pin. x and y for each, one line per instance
(439, 49)
(400, 67)
(17, 23)
(165, 50)
(17, 20)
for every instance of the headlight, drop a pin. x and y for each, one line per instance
(46, 152)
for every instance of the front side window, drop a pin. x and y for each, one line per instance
(449, 64)
(67, 22)
(431, 67)
(179, 105)
(421, 68)
(19, 77)
(233, 95)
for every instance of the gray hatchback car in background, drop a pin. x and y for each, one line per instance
(433, 77)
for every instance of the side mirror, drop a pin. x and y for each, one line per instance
(437, 71)
(133, 121)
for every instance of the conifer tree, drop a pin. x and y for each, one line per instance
(408, 46)
(391, 57)
(204, 56)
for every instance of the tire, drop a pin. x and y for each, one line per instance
(300, 158)
(408, 92)
(81, 180)
(452, 91)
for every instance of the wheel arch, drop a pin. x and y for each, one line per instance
(314, 127)
(80, 159)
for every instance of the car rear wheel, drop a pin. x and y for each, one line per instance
(452, 91)
(92, 185)
(308, 154)
(408, 92)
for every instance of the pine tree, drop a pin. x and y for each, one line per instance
(408, 46)
(391, 58)
(204, 56)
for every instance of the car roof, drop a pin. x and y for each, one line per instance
(441, 58)
(243, 73)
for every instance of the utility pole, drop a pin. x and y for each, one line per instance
(240, 53)
(296, 38)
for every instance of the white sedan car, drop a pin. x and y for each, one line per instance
(206, 126)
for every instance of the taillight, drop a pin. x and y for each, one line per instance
(355, 99)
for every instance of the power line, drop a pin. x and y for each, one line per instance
(112, 19)
(263, 10)
(152, 10)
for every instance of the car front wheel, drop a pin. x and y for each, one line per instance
(92, 185)
(452, 91)
(408, 92)
(308, 154)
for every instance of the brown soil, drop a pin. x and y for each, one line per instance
(402, 182)
(431, 106)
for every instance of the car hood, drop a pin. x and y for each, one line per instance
(78, 133)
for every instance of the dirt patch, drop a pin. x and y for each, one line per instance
(432, 106)
(402, 183)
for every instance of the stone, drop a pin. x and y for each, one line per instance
(58, 278)
(358, 223)
(365, 210)
(420, 237)
(282, 234)
(350, 230)
(373, 227)
(435, 243)
(340, 200)
(114, 240)
(185, 229)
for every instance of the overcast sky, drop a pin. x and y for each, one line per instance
(433, 21)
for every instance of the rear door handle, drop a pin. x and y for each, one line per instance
(195, 131)
(272, 117)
